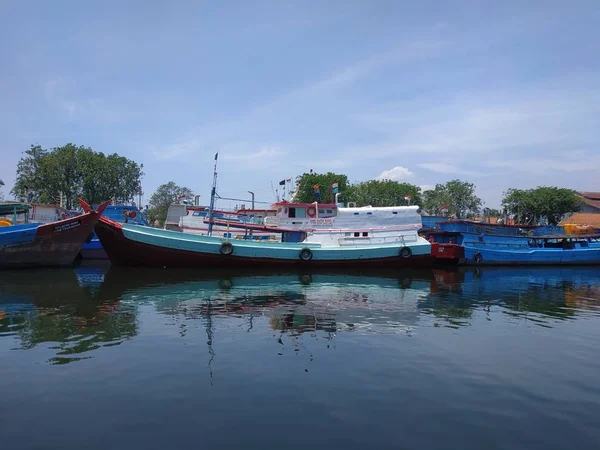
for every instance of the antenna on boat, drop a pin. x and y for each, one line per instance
(213, 193)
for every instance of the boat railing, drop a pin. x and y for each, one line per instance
(374, 240)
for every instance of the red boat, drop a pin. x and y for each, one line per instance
(43, 245)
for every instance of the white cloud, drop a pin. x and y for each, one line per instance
(269, 151)
(397, 173)
(448, 169)
(176, 150)
(427, 187)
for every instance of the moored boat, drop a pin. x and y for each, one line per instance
(44, 244)
(128, 244)
(92, 249)
(480, 244)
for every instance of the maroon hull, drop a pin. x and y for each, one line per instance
(125, 252)
(55, 244)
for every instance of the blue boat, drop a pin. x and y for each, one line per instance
(42, 244)
(92, 249)
(485, 244)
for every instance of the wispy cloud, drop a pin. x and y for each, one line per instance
(448, 169)
(397, 173)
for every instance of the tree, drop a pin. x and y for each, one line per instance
(382, 193)
(457, 196)
(307, 181)
(70, 171)
(164, 196)
(550, 204)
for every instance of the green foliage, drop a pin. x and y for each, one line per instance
(459, 196)
(306, 181)
(76, 172)
(530, 206)
(382, 193)
(162, 199)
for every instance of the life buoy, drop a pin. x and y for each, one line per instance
(306, 254)
(311, 212)
(226, 248)
(477, 257)
(405, 252)
(132, 214)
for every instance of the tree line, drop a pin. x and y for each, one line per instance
(71, 171)
(455, 198)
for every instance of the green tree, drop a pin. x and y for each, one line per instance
(382, 193)
(455, 195)
(164, 196)
(305, 185)
(72, 171)
(544, 203)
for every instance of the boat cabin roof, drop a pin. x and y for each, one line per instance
(10, 207)
(304, 205)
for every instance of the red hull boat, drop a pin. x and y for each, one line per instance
(44, 245)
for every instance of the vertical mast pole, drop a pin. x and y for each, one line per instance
(213, 193)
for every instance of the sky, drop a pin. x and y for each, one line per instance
(500, 94)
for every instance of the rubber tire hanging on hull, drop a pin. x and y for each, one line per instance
(477, 257)
(306, 254)
(405, 252)
(226, 249)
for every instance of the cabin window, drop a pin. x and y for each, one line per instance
(356, 214)
(321, 211)
(329, 211)
(369, 214)
(394, 212)
(356, 234)
(365, 234)
(348, 234)
(292, 212)
(300, 212)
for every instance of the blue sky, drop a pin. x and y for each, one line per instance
(502, 94)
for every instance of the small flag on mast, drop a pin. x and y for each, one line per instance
(334, 188)
(444, 209)
(407, 197)
(282, 183)
(181, 197)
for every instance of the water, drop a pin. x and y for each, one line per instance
(100, 357)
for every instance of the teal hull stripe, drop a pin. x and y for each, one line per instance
(268, 250)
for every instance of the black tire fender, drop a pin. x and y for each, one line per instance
(306, 254)
(226, 249)
(405, 252)
(477, 257)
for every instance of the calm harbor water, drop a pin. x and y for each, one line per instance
(99, 357)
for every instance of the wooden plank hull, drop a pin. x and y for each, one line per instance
(138, 246)
(53, 245)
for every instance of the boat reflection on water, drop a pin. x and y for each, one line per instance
(81, 310)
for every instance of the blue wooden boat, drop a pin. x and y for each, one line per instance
(485, 244)
(43, 244)
(92, 249)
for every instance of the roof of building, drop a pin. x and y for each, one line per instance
(7, 208)
(583, 219)
(591, 198)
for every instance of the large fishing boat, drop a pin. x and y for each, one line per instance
(43, 244)
(348, 237)
(472, 243)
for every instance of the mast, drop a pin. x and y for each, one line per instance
(213, 193)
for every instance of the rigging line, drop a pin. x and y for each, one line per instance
(240, 200)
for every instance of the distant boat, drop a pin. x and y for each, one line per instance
(472, 243)
(92, 249)
(38, 244)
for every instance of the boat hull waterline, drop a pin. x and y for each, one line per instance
(144, 246)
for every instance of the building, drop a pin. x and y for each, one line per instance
(591, 202)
